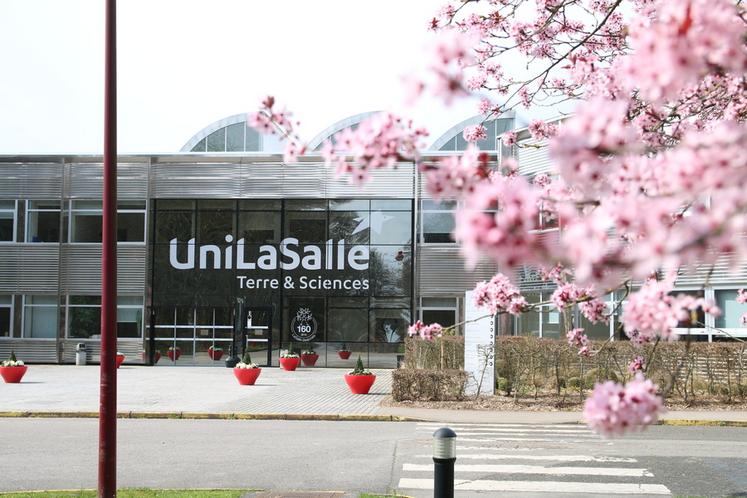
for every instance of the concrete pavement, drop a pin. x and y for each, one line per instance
(319, 393)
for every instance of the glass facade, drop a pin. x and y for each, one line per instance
(317, 273)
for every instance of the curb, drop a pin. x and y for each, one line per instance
(704, 423)
(214, 416)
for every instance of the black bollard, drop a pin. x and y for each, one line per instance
(444, 456)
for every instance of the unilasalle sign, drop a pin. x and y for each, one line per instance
(308, 264)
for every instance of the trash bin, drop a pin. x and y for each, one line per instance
(80, 354)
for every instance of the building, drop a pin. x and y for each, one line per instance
(223, 234)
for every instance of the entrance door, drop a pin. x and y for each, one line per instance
(256, 334)
(193, 335)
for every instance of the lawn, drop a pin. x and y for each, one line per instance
(134, 493)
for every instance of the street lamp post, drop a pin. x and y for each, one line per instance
(108, 378)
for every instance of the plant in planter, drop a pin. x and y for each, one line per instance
(215, 353)
(120, 359)
(289, 360)
(309, 357)
(344, 352)
(360, 379)
(13, 369)
(174, 353)
(246, 372)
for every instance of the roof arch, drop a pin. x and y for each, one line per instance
(349, 122)
(231, 134)
(452, 139)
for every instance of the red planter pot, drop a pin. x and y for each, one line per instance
(174, 354)
(290, 364)
(360, 384)
(215, 354)
(247, 376)
(13, 375)
(120, 359)
(343, 354)
(309, 360)
(156, 357)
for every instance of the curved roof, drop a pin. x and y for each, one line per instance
(452, 139)
(351, 121)
(231, 134)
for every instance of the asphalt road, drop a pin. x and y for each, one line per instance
(373, 456)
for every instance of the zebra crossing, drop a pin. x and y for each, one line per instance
(522, 458)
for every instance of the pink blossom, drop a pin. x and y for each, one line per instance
(425, 332)
(499, 220)
(454, 177)
(509, 138)
(595, 310)
(475, 133)
(577, 338)
(742, 296)
(613, 409)
(379, 142)
(541, 129)
(637, 365)
(292, 151)
(499, 295)
(567, 294)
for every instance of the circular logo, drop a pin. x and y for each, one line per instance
(303, 325)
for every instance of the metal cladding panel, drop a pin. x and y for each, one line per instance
(86, 180)
(533, 160)
(262, 179)
(442, 271)
(389, 182)
(30, 350)
(30, 180)
(724, 271)
(29, 268)
(196, 180)
(304, 180)
(82, 269)
(132, 349)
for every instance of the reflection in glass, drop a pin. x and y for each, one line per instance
(352, 226)
(389, 325)
(390, 268)
(391, 227)
(258, 227)
(306, 226)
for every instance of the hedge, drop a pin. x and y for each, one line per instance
(527, 366)
(428, 385)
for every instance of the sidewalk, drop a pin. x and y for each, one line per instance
(202, 390)
(307, 393)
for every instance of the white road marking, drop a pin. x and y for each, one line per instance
(536, 469)
(516, 429)
(552, 458)
(532, 439)
(477, 426)
(602, 488)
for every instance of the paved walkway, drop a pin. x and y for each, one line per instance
(307, 392)
(54, 388)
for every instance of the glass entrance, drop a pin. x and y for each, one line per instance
(193, 335)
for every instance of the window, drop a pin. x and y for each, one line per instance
(6, 316)
(40, 317)
(85, 221)
(438, 310)
(699, 314)
(7, 221)
(129, 316)
(131, 221)
(731, 310)
(84, 317)
(42, 221)
(437, 222)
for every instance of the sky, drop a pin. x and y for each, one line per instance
(183, 64)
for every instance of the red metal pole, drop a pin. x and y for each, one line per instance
(108, 382)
